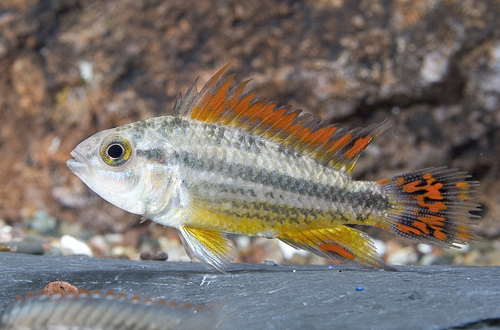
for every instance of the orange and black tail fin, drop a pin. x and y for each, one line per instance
(432, 206)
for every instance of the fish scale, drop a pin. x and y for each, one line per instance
(227, 162)
(266, 169)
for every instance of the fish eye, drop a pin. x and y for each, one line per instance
(116, 151)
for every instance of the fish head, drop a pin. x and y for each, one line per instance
(112, 163)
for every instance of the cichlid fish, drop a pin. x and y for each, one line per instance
(227, 162)
(106, 311)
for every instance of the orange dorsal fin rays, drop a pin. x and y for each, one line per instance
(330, 145)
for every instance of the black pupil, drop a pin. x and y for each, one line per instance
(115, 151)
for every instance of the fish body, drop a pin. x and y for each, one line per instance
(105, 311)
(227, 162)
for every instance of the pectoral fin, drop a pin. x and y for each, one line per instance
(339, 242)
(210, 247)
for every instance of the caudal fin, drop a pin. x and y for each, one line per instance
(432, 206)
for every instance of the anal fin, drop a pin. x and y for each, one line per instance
(209, 246)
(339, 243)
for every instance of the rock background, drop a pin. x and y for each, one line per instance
(70, 68)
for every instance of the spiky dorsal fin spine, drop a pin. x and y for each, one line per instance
(328, 144)
(183, 106)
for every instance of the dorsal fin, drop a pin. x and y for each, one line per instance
(328, 144)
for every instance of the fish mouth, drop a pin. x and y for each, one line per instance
(76, 164)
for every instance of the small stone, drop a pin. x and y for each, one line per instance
(98, 243)
(124, 252)
(405, 256)
(26, 247)
(424, 248)
(157, 256)
(76, 246)
(53, 251)
(45, 224)
(270, 263)
(60, 288)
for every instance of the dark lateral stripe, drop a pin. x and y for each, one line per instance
(275, 212)
(284, 182)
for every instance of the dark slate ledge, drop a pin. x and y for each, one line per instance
(263, 296)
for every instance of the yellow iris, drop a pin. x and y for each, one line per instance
(116, 151)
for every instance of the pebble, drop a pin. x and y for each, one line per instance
(124, 252)
(424, 248)
(157, 256)
(26, 247)
(270, 263)
(53, 251)
(99, 243)
(76, 246)
(405, 256)
(45, 224)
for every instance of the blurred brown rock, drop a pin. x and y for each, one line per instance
(71, 68)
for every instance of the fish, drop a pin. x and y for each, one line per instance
(227, 161)
(95, 310)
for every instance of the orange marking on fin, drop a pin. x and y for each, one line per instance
(335, 248)
(399, 181)
(217, 103)
(421, 226)
(432, 191)
(257, 111)
(433, 220)
(218, 99)
(340, 142)
(286, 123)
(200, 105)
(436, 223)
(439, 235)
(384, 181)
(408, 229)
(318, 137)
(433, 207)
(274, 117)
(359, 145)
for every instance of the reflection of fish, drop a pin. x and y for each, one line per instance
(226, 162)
(93, 311)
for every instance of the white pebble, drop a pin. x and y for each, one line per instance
(405, 256)
(76, 246)
(86, 70)
(424, 248)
